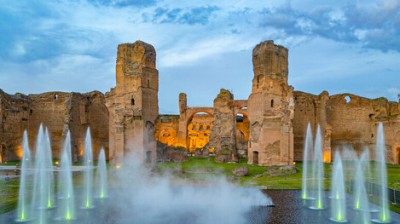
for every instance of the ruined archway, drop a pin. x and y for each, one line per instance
(3, 150)
(242, 133)
(1, 154)
(396, 148)
(397, 154)
(198, 129)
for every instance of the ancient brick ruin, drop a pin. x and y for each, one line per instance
(59, 112)
(268, 128)
(133, 103)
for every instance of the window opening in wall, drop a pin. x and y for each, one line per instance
(239, 118)
(255, 157)
(347, 99)
(30, 111)
(56, 96)
(398, 155)
(132, 102)
(272, 103)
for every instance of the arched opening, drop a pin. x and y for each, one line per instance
(398, 154)
(242, 134)
(133, 101)
(347, 99)
(198, 131)
(1, 154)
(240, 137)
(3, 150)
(239, 118)
(255, 157)
(272, 103)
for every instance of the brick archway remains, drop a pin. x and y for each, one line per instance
(185, 118)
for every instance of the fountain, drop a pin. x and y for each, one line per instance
(24, 211)
(307, 155)
(66, 189)
(381, 176)
(360, 196)
(338, 201)
(43, 185)
(102, 176)
(142, 196)
(318, 173)
(50, 170)
(88, 172)
(43, 180)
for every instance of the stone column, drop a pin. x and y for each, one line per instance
(223, 132)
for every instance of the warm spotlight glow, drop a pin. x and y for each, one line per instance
(327, 156)
(56, 162)
(294, 163)
(117, 166)
(19, 151)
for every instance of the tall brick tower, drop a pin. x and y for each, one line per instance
(133, 103)
(270, 107)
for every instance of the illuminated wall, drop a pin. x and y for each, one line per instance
(199, 130)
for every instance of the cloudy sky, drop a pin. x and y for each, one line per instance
(202, 45)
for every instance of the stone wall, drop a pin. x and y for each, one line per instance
(347, 121)
(223, 133)
(167, 129)
(199, 131)
(14, 114)
(58, 111)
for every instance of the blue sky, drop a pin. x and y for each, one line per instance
(202, 46)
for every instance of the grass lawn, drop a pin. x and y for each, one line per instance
(8, 195)
(255, 176)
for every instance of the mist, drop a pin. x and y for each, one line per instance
(141, 196)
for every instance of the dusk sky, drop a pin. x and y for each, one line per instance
(342, 46)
